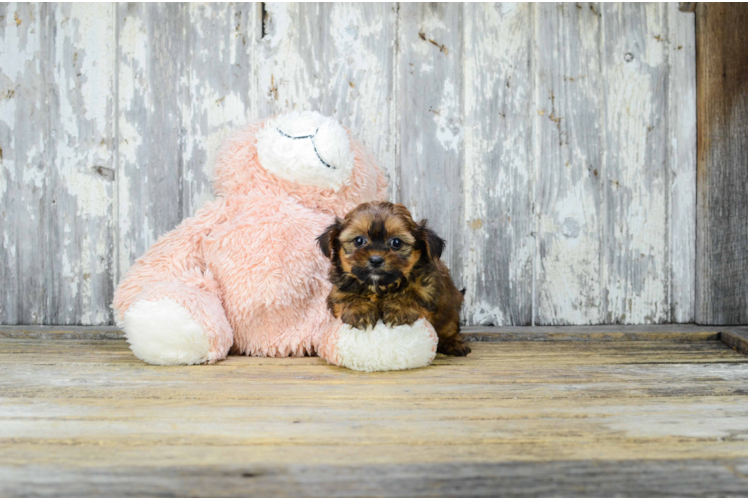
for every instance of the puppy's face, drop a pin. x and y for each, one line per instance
(379, 243)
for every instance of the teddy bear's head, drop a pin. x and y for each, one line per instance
(306, 155)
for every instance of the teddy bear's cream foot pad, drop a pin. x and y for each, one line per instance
(385, 348)
(162, 332)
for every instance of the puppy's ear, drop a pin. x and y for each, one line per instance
(434, 244)
(327, 241)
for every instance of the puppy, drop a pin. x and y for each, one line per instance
(386, 266)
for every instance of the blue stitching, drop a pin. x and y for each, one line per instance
(300, 137)
(311, 137)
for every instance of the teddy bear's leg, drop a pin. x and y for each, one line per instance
(381, 348)
(178, 323)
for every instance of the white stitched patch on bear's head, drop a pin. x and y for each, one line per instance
(306, 148)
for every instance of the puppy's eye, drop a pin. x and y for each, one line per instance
(359, 241)
(396, 243)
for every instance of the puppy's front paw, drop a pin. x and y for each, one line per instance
(360, 319)
(395, 316)
(453, 346)
(400, 310)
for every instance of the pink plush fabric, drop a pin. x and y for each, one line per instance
(246, 266)
(328, 346)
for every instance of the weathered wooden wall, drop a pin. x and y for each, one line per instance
(552, 145)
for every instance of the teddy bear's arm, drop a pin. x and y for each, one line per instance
(176, 255)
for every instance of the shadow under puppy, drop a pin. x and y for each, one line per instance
(387, 267)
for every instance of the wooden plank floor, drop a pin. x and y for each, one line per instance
(81, 417)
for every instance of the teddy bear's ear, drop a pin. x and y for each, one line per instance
(328, 241)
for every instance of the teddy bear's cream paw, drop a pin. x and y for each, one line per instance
(162, 332)
(385, 348)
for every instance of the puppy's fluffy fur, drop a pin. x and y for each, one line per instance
(386, 266)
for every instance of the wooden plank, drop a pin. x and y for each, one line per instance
(306, 426)
(681, 53)
(569, 193)
(678, 332)
(337, 59)
(220, 40)
(653, 347)
(24, 119)
(651, 478)
(583, 330)
(586, 360)
(634, 61)
(430, 107)
(60, 333)
(529, 371)
(592, 333)
(84, 373)
(736, 338)
(150, 158)
(58, 131)
(722, 222)
(497, 228)
(86, 456)
(81, 175)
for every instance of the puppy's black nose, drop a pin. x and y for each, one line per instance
(376, 261)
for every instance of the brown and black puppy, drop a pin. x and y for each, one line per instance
(386, 266)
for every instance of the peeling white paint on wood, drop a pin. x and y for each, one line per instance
(217, 85)
(498, 223)
(58, 115)
(22, 95)
(81, 191)
(551, 145)
(568, 195)
(681, 156)
(635, 125)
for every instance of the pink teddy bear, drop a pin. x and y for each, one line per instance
(245, 276)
